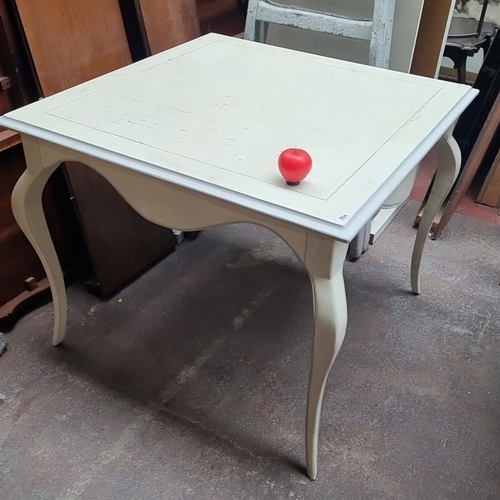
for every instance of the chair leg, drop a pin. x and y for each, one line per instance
(261, 31)
(380, 43)
(461, 66)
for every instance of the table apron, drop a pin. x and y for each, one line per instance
(171, 205)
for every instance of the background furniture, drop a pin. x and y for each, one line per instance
(477, 134)
(405, 27)
(490, 192)
(431, 37)
(22, 278)
(165, 24)
(377, 29)
(71, 41)
(55, 31)
(467, 37)
(45, 47)
(222, 16)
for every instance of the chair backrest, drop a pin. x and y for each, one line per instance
(377, 30)
(481, 18)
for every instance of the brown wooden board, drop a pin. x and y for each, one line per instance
(72, 41)
(13, 58)
(490, 192)
(430, 38)
(121, 243)
(167, 24)
(6, 103)
(474, 161)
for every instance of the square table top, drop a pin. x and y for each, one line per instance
(214, 114)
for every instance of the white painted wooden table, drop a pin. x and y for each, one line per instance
(191, 137)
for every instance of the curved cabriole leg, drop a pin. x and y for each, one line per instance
(449, 159)
(324, 260)
(28, 211)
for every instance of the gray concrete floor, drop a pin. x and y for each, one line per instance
(193, 387)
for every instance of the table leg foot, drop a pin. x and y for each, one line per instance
(28, 211)
(449, 158)
(324, 260)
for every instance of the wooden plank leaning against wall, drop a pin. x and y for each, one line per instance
(431, 38)
(167, 24)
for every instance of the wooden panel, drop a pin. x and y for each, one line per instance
(431, 39)
(469, 171)
(212, 9)
(8, 138)
(73, 41)
(167, 24)
(490, 192)
(226, 17)
(121, 243)
(14, 247)
(202, 130)
(6, 102)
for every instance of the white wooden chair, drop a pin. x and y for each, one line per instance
(377, 30)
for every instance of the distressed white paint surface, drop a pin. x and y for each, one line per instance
(406, 23)
(315, 21)
(214, 114)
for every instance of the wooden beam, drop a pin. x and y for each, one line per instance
(8, 138)
(490, 192)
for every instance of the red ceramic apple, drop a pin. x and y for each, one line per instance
(294, 165)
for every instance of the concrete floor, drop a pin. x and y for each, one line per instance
(193, 386)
